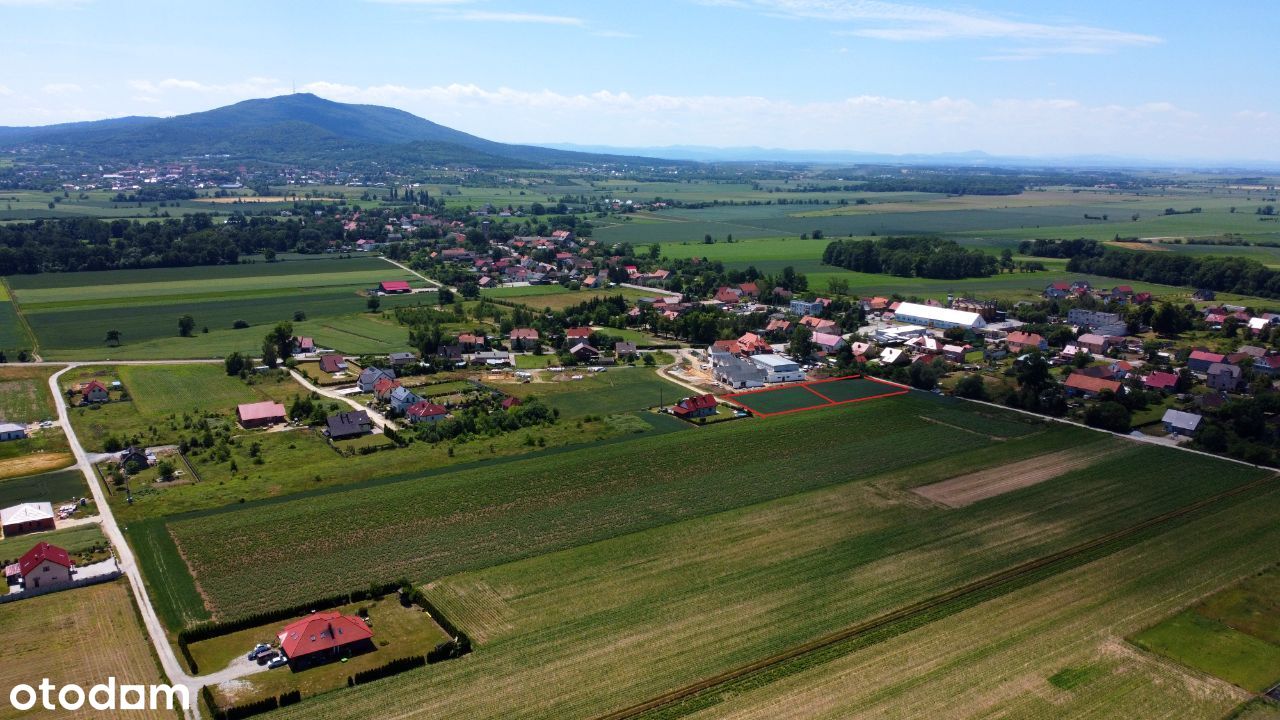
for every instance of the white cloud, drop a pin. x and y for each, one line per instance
(4, 90)
(901, 22)
(61, 89)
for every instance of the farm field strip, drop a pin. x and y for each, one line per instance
(831, 392)
(963, 597)
(613, 623)
(967, 489)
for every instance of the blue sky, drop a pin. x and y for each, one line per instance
(1172, 79)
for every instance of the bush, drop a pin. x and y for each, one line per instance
(240, 325)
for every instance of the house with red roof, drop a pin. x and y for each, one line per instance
(1200, 360)
(578, 334)
(303, 345)
(1019, 341)
(818, 324)
(395, 287)
(424, 411)
(752, 344)
(695, 407)
(750, 290)
(522, 337)
(260, 414)
(325, 636)
(94, 392)
(509, 402)
(332, 363)
(1088, 386)
(1160, 380)
(45, 566)
(383, 386)
(728, 296)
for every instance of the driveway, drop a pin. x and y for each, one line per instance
(378, 418)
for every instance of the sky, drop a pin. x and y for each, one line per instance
(1167, 79)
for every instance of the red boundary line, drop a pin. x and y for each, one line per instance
(901, 390)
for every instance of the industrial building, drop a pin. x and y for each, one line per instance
(937, 317)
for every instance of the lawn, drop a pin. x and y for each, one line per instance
(81, 540)
(397, 632)
(45, 450)
(623, 620)
(82, 636)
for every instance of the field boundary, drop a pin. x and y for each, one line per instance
(808, 385)
(22, 319)
(921, 613)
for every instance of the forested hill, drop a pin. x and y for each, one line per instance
(289, 129)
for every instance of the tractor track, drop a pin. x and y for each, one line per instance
(919, 610)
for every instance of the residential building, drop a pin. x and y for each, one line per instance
(12, 431)
(94, 392)
(402, 359)
(1162, 381)
(1093, 318)
(25, 518)
(1200, 360)
(401, 398)
(523, 338)
(348, 424)
(986, 308)
(1088, 386)
(1095, 344)
(937, 317)
(332, 364)
(1177, 422)
(695, 407)
(828, 342)
(303, 345)
(424, 411)
(806, 307)
(584, 352)
(370, 376)
(323, 636)
(260, 414)
(45, 566)
(624, 349)
(1019, 342)
(778, 368)
(135, 456)
(1224, 377)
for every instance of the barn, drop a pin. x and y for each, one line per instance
(260, 414)
(394, 287)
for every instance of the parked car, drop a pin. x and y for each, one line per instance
(267, 656)
(278, 661)
(259, 649)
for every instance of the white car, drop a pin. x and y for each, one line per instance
(278, 661)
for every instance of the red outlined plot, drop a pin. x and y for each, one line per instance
(768, 402)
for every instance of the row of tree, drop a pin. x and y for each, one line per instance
(926, 257)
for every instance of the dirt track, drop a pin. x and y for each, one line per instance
(967, 489)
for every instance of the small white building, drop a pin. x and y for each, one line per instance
(778, 368)
(937, 317)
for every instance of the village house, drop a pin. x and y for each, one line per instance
(332, 364)
(471, 341)
(348, 424)
(260, 414)
(133, 456)
(401, 398)
(806, 307)
(428, 412)
(44, 567)
(1087, 386)
(695, 407)
(1163, 381)
(523, 338)
(12, 431)
(1224, 377)
(828, 342)
(1019, 342)
(370, 376)
(94, 392)
(303, 345)
(624, 350)
(383, 386)
(402, 359)
(394, 287)
(1177, 422)
(778, 325)
(1095, 344)
(576, 335)
(986, 308)
(25, 518)
(322, 637)
(584, 352)
(1200, 360)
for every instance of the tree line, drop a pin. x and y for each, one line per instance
(925, 257)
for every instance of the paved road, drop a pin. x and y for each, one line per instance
(378, 418)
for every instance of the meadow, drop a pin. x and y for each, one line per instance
(24, 393)
(56, 487)
(83, 637)
(615, 622)
(619, 390)
(557, 297)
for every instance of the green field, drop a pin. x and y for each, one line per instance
(13, 335)
(618, 390)
(557, 297)
(24, 394)
(74, 540)
(56, 487)
(619, 621)
(1233, 634)
(71, 312)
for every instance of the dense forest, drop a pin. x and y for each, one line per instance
(1041, 247)
(925, 257)
(88, 244)
(1224, 274)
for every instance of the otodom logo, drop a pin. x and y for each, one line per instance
(103, 696)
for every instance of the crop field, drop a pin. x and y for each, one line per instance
(45, 450)
(1233, 634)
(13, 336)
(619, 621)
(557, 297)
(82, 636)
(812, 395)
(144, 307)
(55, 487)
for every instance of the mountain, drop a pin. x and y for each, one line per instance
(288, 129)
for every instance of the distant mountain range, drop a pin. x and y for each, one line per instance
(288, 129)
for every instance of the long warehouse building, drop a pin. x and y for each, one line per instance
(937, 317)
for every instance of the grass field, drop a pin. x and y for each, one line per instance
(13, 335)
(557, 297)
(619, 390)
(74, 540)
(1233, 634)
(82, 636)
(59, 486)
(618, 621)
(813, 395)
(24, 393)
